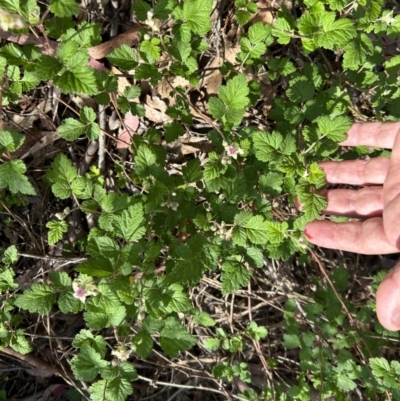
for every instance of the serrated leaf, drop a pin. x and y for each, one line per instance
(69, 304)
(234, 275)
(345, 383)
(20, 344)
(204, 319)
(71, 129)
(56, 231)
(380, 366)
(144, 343)
(291, 341)
(86, 337)
(98, 267)
(173, 131)
(10, 140)
(212, 344)
(242, 17)
(10, 255)
(266, 144)
(301, 90)
(257, 230)
(256, 332)
(129, 224)
(87, 364)
(235, 93)
(192, 171)
(197, 15)
(356, 52)
(335, 129)
(64, 8)
(62, 169)
(102, 246)
(152, 50)
(47, 67)
(39, 299)
(80, 81)
(175, 340)
(12, 177)
(141, 8)
(124, 57)
(61, 280)
(216, 108)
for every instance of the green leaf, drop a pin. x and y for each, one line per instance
(380, 367)
(61, 280)
(10, 255)
(141, 8)
(176, 339)
(335, 129)
(197, 15)
(276, 231)
(20, 344)
(79, 81)
(47, 67)
(345, 383)
(212, 344)
(173, 131)
(162, 9)
(291, 341)
(64, 8)
(234, 275)
(12, 177)
(301, 90)
(87, 364)
(68, 303)
(144, 343)
(62, 169)
(145, 156)
(102, 246)
(242, 17)
(256, 332)
(152, 50)
(204, 319)
(10, 140)
(180, 50)
(40, 299)
(266, 144)
(71, 129)
(259, 32)
(97, 267)
(257, 230)
(129, 224)
(56, 231)
(124, 57)
(192, 171)
(86, 337)
(356, 52)
(216, 108)
(235, 93)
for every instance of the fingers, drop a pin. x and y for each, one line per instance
(388, 300)
(356, 172)
(391, 193)
(366, 237)
(365, 202)
(374, 134)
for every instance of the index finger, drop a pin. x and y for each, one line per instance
(374, 134)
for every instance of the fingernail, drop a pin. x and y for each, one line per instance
(396, 319)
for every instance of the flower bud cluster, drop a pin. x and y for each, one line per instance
(151, 23)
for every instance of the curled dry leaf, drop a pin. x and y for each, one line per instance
(155, 110)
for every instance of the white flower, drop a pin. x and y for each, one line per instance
(121, 352)
(232, 150)
(10, 21)
(83, 289)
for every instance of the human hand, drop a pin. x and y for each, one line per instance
(377, 204)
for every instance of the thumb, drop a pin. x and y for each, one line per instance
(388, 300)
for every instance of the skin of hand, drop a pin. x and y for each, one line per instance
(377, 205)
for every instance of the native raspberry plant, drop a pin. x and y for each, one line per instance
(169, 232)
